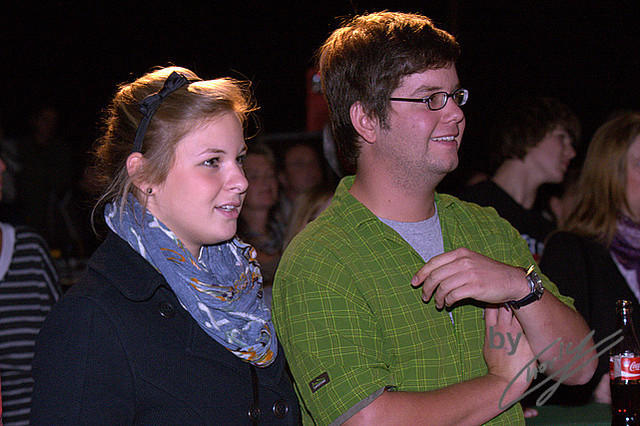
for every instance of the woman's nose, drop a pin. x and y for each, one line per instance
(237, 180)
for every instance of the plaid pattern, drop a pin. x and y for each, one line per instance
(343, 305)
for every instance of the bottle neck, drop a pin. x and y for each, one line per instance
(624, 317)
(629, 344)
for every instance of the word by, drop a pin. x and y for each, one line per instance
(544, 396)
(501, 340)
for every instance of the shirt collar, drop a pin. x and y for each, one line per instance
(358, 214)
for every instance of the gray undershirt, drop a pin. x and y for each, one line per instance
(425, 236)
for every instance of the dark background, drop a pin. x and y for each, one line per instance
(72, 54)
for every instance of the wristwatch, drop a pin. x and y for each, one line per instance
(535, 286)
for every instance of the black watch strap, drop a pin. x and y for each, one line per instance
(536, 289)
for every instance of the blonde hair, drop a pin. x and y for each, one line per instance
(601, 188)
(307, 207)
(189, 107)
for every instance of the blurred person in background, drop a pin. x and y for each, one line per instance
(534, 141)
(595, 257)
(301, 169)
(13, 166)
(561, 199)
(46, 176)
(257, 224)
(28, 289)
(308, 207)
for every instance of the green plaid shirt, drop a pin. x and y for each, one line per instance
(350, 321)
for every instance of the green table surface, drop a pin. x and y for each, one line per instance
(590, 414)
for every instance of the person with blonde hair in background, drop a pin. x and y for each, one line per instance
(300, 170)
(595, 257)
(257, 224)
(306, 208)
(168, 325)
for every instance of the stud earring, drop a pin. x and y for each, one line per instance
(149, 191)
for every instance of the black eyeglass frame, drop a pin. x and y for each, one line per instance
(427, 100)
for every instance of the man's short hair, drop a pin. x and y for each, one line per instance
(365, 60)
(524, 124)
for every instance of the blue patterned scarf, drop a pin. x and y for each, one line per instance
(222, 289)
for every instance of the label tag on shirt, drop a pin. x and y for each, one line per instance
(319, 382)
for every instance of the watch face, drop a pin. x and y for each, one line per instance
(538, 286)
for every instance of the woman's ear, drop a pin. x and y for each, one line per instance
(365, 124)
(135, 164)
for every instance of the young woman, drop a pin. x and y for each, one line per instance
(168, 326)
(257, 224)
(596, 258)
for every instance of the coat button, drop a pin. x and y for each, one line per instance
(280, 408)
(167, 310)
(254, 412)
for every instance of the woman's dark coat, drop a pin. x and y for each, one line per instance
(583, 269)
(120, 349)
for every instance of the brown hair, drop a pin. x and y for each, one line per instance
(366, 59)
(601, 190)
(179, 113)
(527, 121)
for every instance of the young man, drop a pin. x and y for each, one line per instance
(372, 333)
(534, 145)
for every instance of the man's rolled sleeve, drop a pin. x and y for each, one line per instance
(329, 334)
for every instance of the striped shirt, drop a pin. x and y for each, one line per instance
(28, 290)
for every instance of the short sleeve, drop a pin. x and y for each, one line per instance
(330, 336)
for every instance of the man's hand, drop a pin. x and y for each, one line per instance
(462, 273)
(507, 363)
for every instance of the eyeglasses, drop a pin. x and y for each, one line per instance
(439, 100)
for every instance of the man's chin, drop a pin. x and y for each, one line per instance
(450, 166)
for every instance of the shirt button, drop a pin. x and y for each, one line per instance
(254, 412)
(280, 408)
(167, 310)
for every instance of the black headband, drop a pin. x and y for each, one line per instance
(150, 105)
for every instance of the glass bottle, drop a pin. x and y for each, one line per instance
(624, 370)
